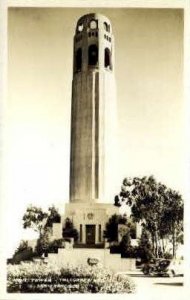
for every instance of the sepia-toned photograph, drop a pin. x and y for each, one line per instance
(94, 163)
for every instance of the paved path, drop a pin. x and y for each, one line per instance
(151, 287)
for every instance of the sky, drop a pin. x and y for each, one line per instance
(150, 106)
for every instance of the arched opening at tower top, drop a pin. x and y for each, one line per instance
(80, 27)
(106, 27)
(107, 58)
(79, 60)
(93, 24)
(92, 55)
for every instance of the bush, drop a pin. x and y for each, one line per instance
(130, 252)
(43, 243)
(115, 249)
(111, 232)
(144, 250)
(144, 253)
(26, 254)
(42, 278)
(54, 245)
(69, 231)
(23, 246)
(22, 253)
(167, 255)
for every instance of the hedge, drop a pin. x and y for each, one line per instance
(46, 278)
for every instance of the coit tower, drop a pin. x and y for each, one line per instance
(93, 158)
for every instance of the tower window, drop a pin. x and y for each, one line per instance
(79, 60)
(106, 27)
(92, 55)
(80, 27)
(107, 37)
(107, 58)
(93, 24)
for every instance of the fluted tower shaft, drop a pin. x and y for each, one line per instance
(93, 116)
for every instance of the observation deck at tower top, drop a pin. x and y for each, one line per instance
(87, 21)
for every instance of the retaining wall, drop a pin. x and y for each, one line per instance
(77, 257)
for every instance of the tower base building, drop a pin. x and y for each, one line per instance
(90, 220)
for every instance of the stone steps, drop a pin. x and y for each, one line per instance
(96, 246)
(80, 256)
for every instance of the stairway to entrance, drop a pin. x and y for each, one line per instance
(92, 246)
(79, 256)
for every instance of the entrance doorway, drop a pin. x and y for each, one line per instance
(90, 234)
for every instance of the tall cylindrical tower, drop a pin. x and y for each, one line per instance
(93, 120)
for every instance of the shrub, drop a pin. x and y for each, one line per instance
(167, 255)
(54, 245)
(69, 231)
(26, 254)
(42, 278)
(144, 250)
(130, 252)
(144, 253)
(115, 249)
(23, 246)
(43, 243)
(111, 232)
(22, 253)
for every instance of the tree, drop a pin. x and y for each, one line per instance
(158, 208)
(41, 222)
(172, 219)
(38, 220)
(125, 245)
(35, 218)
(111, 231)
(53, 216)
(144, 249)
(43, 242)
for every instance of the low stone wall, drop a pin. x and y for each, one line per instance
(77, 257)
(118, 264)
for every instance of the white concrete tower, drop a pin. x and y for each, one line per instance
(93, 121)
